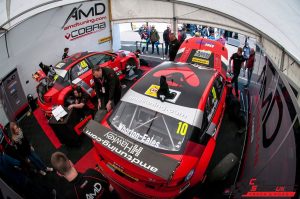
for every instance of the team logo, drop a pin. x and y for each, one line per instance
(152, 91)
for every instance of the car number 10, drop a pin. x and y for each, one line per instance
(182, 128)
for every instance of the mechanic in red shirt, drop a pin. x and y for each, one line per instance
(250, 64)
(91, 184)
(107, 87)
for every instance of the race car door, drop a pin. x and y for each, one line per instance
(212, 112)
(81, 75)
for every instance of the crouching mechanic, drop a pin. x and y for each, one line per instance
(80, 100)
(91, 184)
(107, 87)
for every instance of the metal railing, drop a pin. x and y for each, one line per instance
(138, 45)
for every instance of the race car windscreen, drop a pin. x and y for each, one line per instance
(149, 127)
(61, 76)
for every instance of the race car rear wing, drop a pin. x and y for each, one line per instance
(132, 151)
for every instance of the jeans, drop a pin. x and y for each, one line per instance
(36, 161)
(153, 43)
(235, 80)
(147, 43)
(250, 70)
(166, 48)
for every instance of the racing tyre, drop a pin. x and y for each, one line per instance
(221, 171)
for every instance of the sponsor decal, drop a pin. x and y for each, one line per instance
(157, 105)
(92, 81)
(83, 64)
(206, 43)
(97, 189)
(200, 61)
(124, 148)
(103, 40)
(180, 50)
(137, 136)
(78, 14)
(59, 65)
(82, 71)
(202, 54)
(84, 31)
(117, 167)
(87, 21)
(152, 91)
(209, 45)
(135, 153)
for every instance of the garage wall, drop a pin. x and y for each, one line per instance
(271, 158)
(44, 36)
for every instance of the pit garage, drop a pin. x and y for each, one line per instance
(179, 129)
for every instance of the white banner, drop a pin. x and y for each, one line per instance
(42, 38)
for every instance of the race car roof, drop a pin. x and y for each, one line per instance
(200, 43)
(73, 58)
(186, 80)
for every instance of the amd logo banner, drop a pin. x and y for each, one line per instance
(85, 19)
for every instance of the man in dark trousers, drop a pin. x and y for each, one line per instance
(91, 184)
(174, 46)
(107, 87)
(238, 60)
(166, 36)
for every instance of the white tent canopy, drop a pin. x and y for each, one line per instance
(274, 23)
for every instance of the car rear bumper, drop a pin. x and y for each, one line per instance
(138, 188)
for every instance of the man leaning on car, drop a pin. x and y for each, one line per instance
(107, 87)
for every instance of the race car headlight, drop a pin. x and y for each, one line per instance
(189, 175)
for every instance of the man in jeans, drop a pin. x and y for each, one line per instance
(238, 60)
(154, 38)
(249, 65)
(166, 37)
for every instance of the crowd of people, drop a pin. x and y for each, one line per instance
(243, 59)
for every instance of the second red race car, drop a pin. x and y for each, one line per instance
(76, 70)
(203, 52)
(160, 138)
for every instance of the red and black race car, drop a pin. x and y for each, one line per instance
(76, 70)
(158, 148)
(204, 52)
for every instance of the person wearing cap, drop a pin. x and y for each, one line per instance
(90, 184)
(107, 87)
(238, 60)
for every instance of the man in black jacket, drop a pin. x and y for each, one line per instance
(237, 59)
(107, 87)
(174, 46)
(91, 184)
(166, 37)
